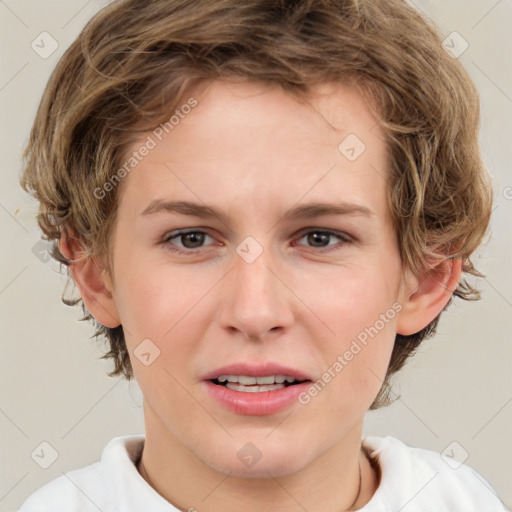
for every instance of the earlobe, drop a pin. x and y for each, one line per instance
(92, 281)
(427, 297)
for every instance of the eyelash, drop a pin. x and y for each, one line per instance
(345, 239)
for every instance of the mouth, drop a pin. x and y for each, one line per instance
(259, 384)
(256, 389)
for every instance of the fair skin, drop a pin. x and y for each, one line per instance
(254, 152)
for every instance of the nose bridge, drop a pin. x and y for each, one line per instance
(256, 300)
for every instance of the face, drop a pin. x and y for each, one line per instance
(269, 281)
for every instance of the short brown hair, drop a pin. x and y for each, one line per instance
(134, 61)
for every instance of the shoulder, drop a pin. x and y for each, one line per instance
(417, 479)
(74, 490)
(86, 489)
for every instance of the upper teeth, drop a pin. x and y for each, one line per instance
(247, 381)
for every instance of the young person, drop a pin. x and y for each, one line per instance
(266, 206)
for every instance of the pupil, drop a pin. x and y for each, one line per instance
(318, 237)
(197, 239)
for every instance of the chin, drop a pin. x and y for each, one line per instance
(258, 460)
(270, 468)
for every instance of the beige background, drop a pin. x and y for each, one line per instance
(53, 387)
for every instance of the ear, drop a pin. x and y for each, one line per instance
(92, 280)
(426, 297)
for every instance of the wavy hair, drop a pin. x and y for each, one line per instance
(135, 60)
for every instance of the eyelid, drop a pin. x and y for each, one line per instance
(185, 231)
(334, 232)
(344, 238)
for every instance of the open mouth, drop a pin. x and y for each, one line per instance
(255, 384)
(256, 395)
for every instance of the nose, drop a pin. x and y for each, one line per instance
(256, 300)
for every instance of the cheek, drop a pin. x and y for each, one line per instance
(166, 306)
(354, 373)
(156, 299)
(365, 359)
(353, 299)
(361, 311)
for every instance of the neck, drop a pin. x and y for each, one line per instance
(341, 479)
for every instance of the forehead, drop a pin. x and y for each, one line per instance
(247, 140)
(261, 117)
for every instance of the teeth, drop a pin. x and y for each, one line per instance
(253, 389)
(250, 381)
(246, 381)
(264, 380)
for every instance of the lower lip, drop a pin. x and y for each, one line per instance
(256, 404)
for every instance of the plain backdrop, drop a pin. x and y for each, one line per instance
(455, 395)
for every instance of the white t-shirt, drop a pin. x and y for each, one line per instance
(412, 480)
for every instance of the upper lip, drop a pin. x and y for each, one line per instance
(256, 370)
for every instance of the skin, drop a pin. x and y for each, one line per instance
(254, 152)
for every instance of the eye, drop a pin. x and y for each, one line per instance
(319, 238)
(190, 240)
(193, 240)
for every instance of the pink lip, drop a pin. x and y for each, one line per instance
(256, 404)
(256, 370)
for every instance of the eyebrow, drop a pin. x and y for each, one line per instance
(305, 211)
